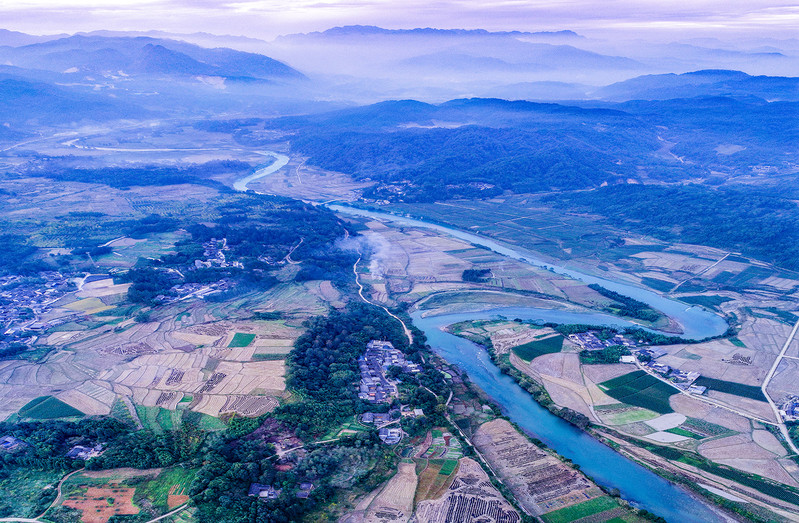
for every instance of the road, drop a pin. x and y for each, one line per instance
(770, 375)
(704, 398)
(364, 298)
(700, 272)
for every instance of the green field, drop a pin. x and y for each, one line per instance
(642, 390)
(532, 350)
(158, 489)
(658, 285)
(448, 467)
(241, 339)
(731, 387)
(709, 301)
(738, 343)
(48, 407)
(625, 416)
(581, 510)
(682, 432)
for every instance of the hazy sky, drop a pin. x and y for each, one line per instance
(268, 18)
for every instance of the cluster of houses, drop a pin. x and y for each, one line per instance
(789, 410)
(214, 252)
(21, 302)
(647, 355)
(590, 341)
(375, 386)
(681, 379)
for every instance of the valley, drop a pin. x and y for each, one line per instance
(231, 292)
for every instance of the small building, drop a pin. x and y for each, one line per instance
(375, 418)
(627, 359)
(305, 490)
(85, 453)
(697, 389)
(11, 443)
(390, 436)
(264, 492)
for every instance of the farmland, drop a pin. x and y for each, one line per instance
(640, 389)
(117, 492)
(605, 508)
(539, 481)
(48, 407)
(531, 350)
(469, 495)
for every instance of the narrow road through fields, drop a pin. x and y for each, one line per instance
(364, 298)
(703, 271)
(770, 375)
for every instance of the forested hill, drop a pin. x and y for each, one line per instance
(758, 223)
(477, 148)
(474, 148)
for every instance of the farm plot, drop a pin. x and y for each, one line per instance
(100, 495)
(640, 389)
(99, 504)
(621, 414)
(394, 503)
(548, 345)
(444, 446)
(470, 497)
(48, 407)
(433, 482)
(540, 482)
(603, 508)
(241, 339)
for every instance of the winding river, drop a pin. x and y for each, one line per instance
(603, 464)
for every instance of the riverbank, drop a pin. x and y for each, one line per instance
(692, 474)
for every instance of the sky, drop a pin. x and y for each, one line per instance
(266, 19)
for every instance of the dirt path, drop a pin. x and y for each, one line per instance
(364, 298)
(703, 271)
(171, 513)
(770, 375)
(133, 413)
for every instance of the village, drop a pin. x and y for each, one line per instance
(645, 356)
(23, 299)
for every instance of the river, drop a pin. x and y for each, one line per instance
(609, 468)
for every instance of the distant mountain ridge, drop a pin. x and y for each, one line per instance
(708, 82)
(144, 55)
(361, 30)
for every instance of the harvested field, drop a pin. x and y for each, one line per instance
(600, 373)
(540, 482)
(694, 408)
(470, 497)
(666, 421)
(395, 500)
